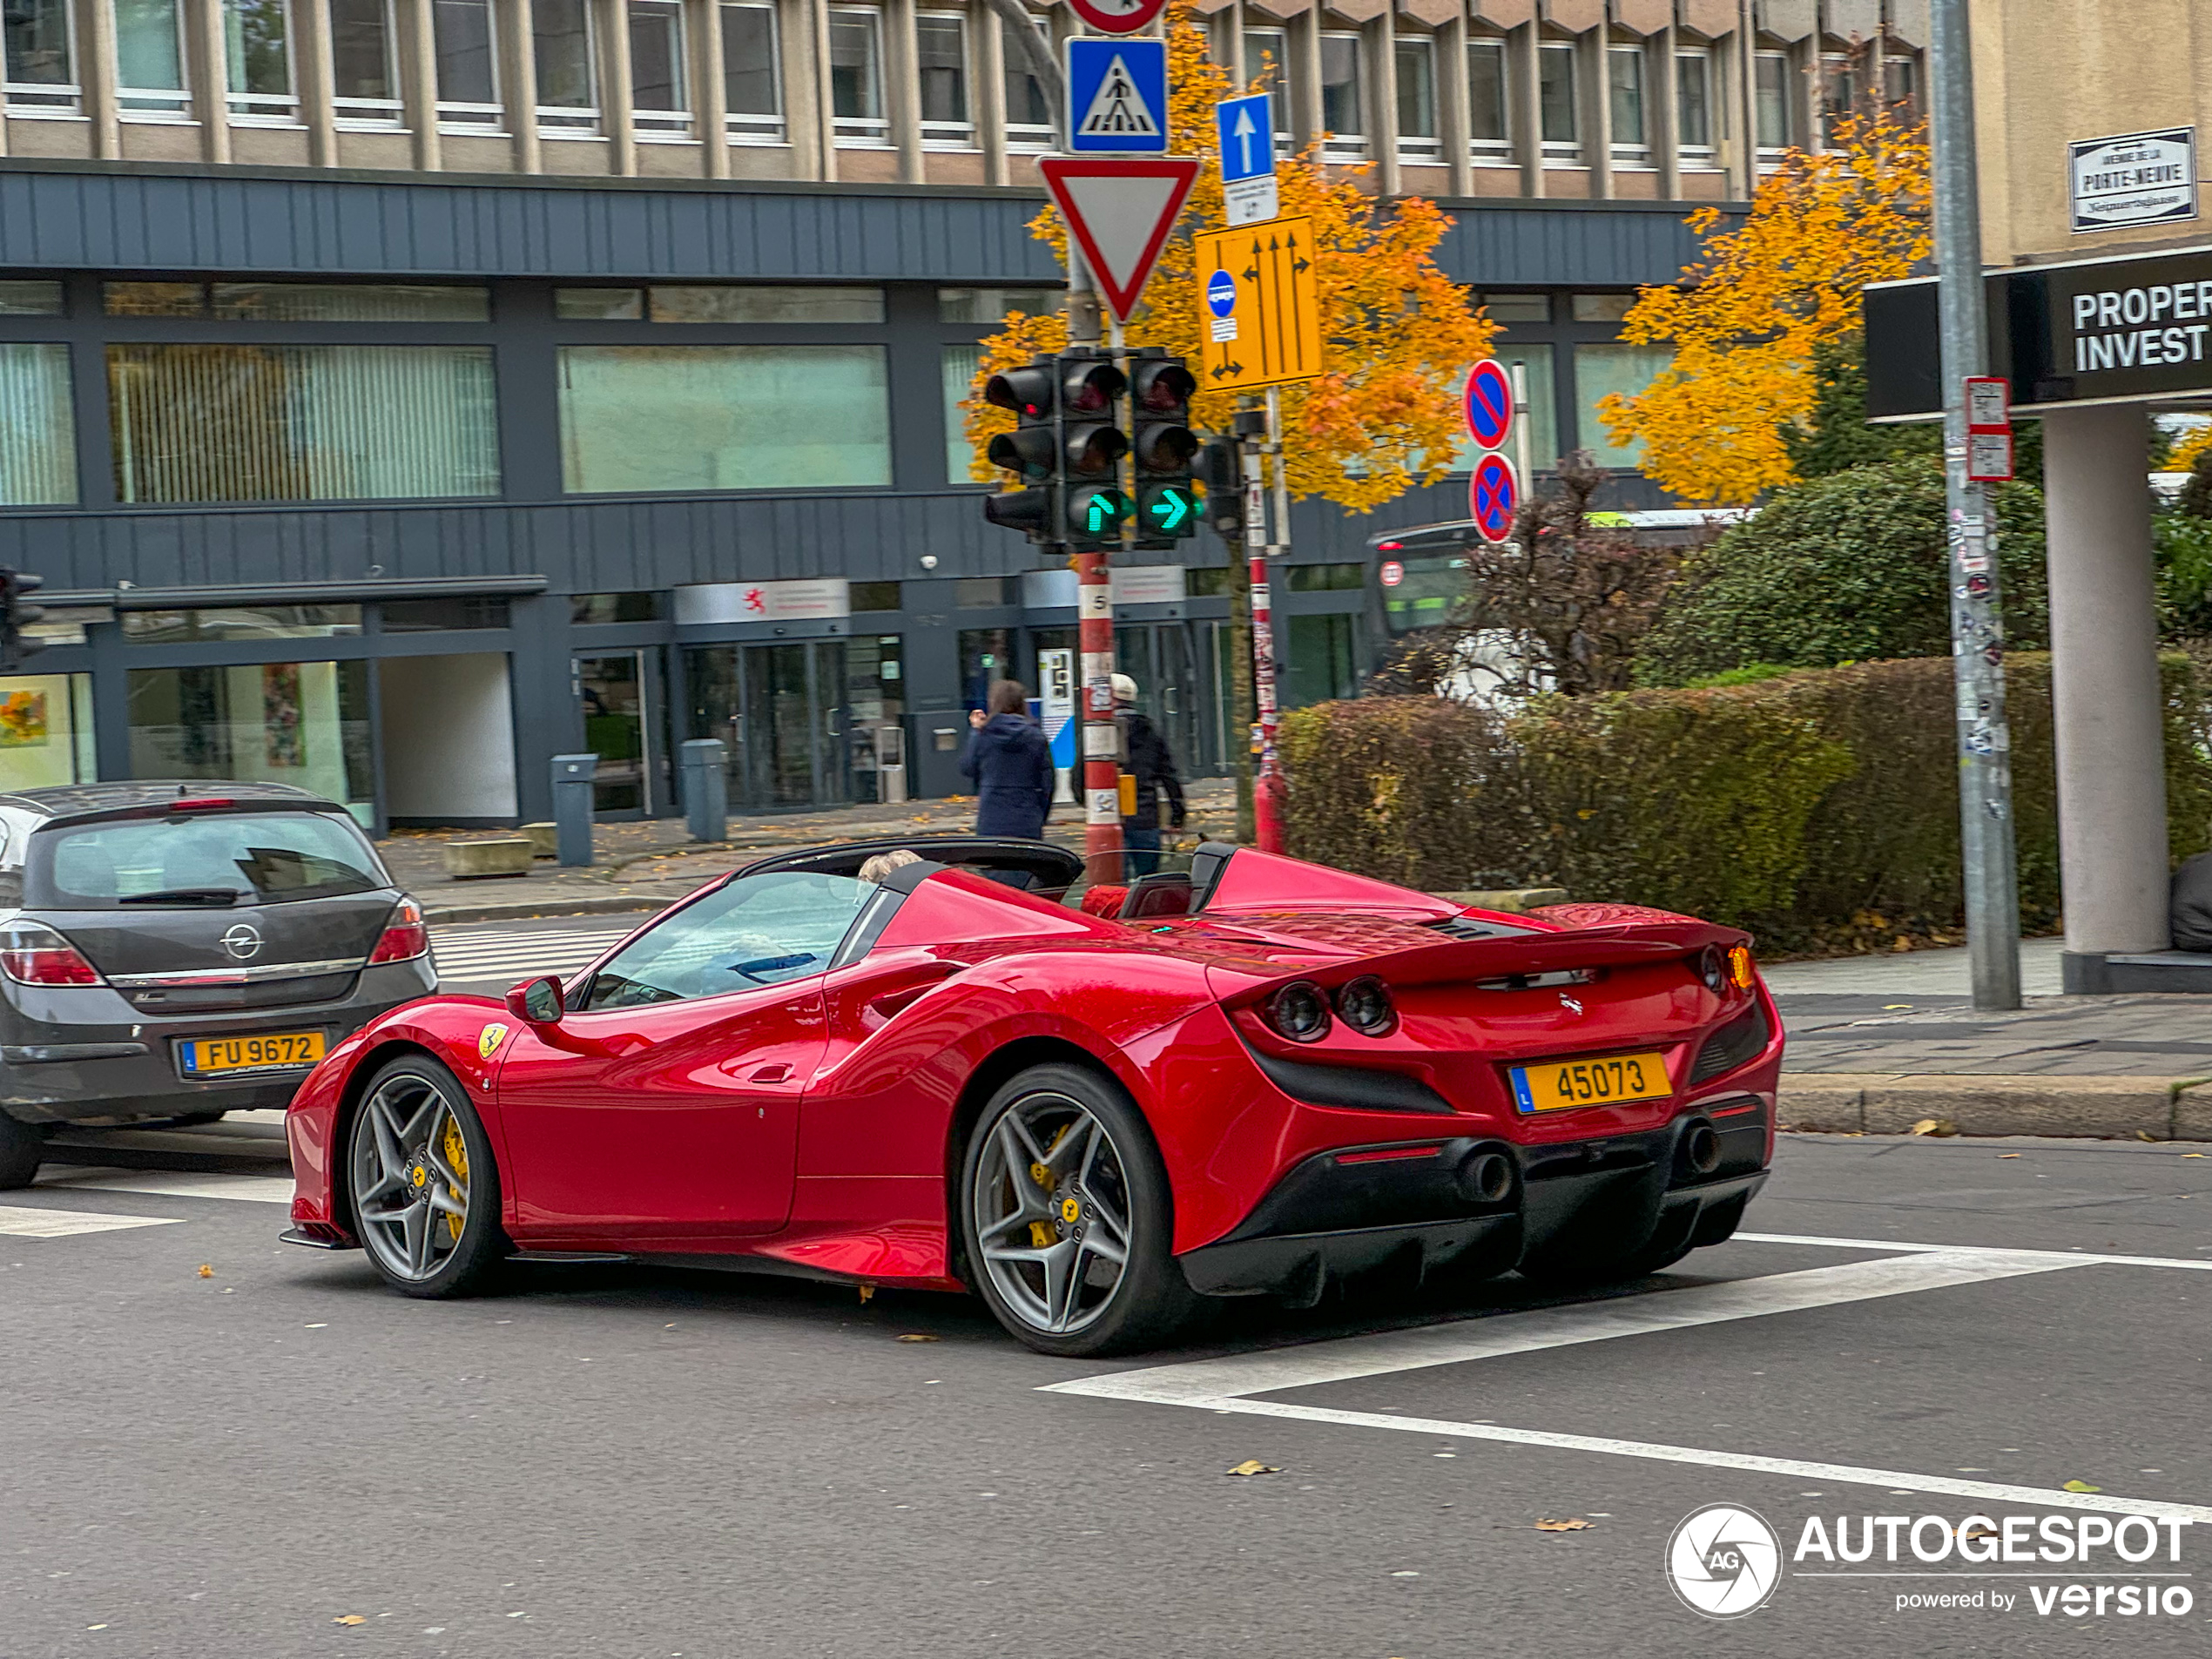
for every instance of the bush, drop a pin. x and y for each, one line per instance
(1815, 808)
(1850, 567)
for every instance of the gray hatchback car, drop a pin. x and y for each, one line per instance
(178, 950)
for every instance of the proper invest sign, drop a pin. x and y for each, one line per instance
(2138, 178)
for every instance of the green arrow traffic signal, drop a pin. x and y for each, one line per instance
(1166, 509)
(1096, 512)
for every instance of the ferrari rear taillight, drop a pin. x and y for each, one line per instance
(1299, 1011)
(1739, 968)
(405, 936)
(32, 954)
(1365, 1005)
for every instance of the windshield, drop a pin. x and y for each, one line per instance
(212, 860)
(759, 931)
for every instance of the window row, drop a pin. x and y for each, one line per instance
(222, 423)
(261, 77)
(261, 64)
(1701, 121)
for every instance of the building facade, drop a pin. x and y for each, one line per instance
(394, 394)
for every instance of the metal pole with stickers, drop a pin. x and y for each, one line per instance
(1976, 451)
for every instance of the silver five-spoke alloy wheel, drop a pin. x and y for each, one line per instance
(410, 1176)
(1051, 1209)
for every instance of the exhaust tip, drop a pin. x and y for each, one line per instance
(1702, 1149)
(1488, 1177)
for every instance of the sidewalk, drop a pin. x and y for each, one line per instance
(646, 865)
(1880, 1043)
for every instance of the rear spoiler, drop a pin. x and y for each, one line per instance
(1472, 961)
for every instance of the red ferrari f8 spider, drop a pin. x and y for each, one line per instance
(1261, 1078)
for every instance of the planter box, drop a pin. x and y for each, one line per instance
(509, 855)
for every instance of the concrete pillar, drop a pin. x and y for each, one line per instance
(2104, 669)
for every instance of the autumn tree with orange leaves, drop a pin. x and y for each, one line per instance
(1748, 316)
(1399, 335)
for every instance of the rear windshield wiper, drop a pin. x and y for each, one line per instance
(225, 896)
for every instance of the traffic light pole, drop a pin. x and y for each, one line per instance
(1102, 733)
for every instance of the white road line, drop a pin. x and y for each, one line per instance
(1209, 1381)
(2077, 1257)
(1227, 1385)
(20, 1222)
(1797, 1468)
(253, 1189)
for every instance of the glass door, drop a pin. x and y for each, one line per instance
(797, 725)
(611, 687)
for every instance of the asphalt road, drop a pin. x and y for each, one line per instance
(221, 1445)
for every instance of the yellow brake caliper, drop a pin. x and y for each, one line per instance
(1043, 1235)
(457, 1151)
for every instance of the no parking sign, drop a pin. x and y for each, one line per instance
(1493, 495)
(1489, 404)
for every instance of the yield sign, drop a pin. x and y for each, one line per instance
(1120, 213)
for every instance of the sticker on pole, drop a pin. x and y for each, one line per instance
(1118, 16)
(1120, 213)
(1489, 404)
(1494, 493)
(1118, 96)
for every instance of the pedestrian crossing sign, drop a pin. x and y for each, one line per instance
(1118, 96)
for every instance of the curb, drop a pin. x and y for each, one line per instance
(538, 909)
(2163, 1108)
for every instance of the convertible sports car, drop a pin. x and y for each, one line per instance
(1263, 1077)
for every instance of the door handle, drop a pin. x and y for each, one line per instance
(771, 1074)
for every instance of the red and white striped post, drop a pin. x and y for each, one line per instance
(1267, 818)
(1101, 735)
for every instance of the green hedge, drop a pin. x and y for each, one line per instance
(1808, 807)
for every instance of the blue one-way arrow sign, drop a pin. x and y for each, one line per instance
(1246, 126)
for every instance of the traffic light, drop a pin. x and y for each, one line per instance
(1031, 450)
(1225, 489)
(1094, 506)
(1164, 447)
(16, 616)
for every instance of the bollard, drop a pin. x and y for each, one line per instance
(572, 784)
(703, 762)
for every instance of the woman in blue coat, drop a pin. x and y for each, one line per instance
(1010, 765)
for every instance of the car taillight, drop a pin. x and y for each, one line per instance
(33, 954)
(405, 936)
(1300, 1012)
(1739, 968)
(1364, 1006)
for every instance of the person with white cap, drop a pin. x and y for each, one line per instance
(1148, 771)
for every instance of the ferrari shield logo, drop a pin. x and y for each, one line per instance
(487, 1045)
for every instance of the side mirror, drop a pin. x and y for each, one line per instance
(537, 1001)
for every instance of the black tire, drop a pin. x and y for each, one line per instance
(194, 1120)
(474, 1262)
(1152, 1302)
(23, 1148)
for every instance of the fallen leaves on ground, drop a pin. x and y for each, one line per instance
(2080, 1486)
(868, 1294)
(2192, 1155)
(349, 1618)
(2145, 1134)
(1969, 1534)
(919, 1336)
(1573, 1523)
(2008, 1155)
(1938, 1127)
(1253, 1465)
(207, 1270)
